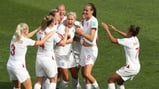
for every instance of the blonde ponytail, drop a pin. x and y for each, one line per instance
(20, 30)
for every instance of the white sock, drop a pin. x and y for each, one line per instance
(111, 86)
(37, 86)
(58, 83)
(64, 84)
(74, 83)
(120, 87)
(45, 83)
(88, 86)
(15, 88)
(95, 85)
(78, 85)
(84, 83)
(52, 86)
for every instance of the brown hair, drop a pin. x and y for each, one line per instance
(53, 12)
(134, 29)
(92, 8)
(46, 22)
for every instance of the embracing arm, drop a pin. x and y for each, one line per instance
(41, 42)
(112, 39)
(120, 32)
(88, 37)
(64, 40)
(32, 33)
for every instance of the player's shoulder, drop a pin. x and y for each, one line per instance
(94, 18)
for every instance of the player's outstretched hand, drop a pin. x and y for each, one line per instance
(105, 26)
(113, 27)
(78, 31)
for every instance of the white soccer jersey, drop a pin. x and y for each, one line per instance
(90, 24)
(65, 17)
(55, 27)
(131, 46)
(18, 51)
(60, 50)
(47, 47)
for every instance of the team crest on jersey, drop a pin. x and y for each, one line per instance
(121, 39)
(94, 23)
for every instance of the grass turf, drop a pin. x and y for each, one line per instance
(120, 13)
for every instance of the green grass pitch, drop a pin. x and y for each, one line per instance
(120, 13)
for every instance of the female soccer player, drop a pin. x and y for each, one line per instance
(45, 62)
(64, 55)
(131, 46)
(16, 64)
(56, 15)
(62, 11)
(89, 50)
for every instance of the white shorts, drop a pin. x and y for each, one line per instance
(88, 55)
(127, 73)
(46, 66)
(66, 61)
(20, 74)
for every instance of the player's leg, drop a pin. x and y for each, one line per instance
(74, 74)
(53, 81)
(84, 79)
(65, 78)
(38, 83)
(112, 80)
(59, 78)
(17, 85)
(27, 84)
(88, 75)
(120, 84)
(46, 83)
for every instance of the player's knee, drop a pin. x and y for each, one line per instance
(86, 75)
(66, 78)
(120, 82)
(111, 80)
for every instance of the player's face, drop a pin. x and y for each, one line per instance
(62, 10)
(87, 11)
(70, 20)
(57, 17)
(26, 31)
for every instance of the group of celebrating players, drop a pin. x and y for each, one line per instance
(65, 44)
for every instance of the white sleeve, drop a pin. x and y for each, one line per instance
(124, 42)
(94, 24)
(30, 42)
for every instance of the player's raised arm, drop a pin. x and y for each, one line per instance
(33, 32)
(64, 40)
(120, 32)
(40, 42)
(112, 39)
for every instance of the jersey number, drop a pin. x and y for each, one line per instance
(42, 46)
(12, 51)
(137, 53)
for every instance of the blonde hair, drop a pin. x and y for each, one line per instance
(73, 14)
(20, 30)
(47, 20)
